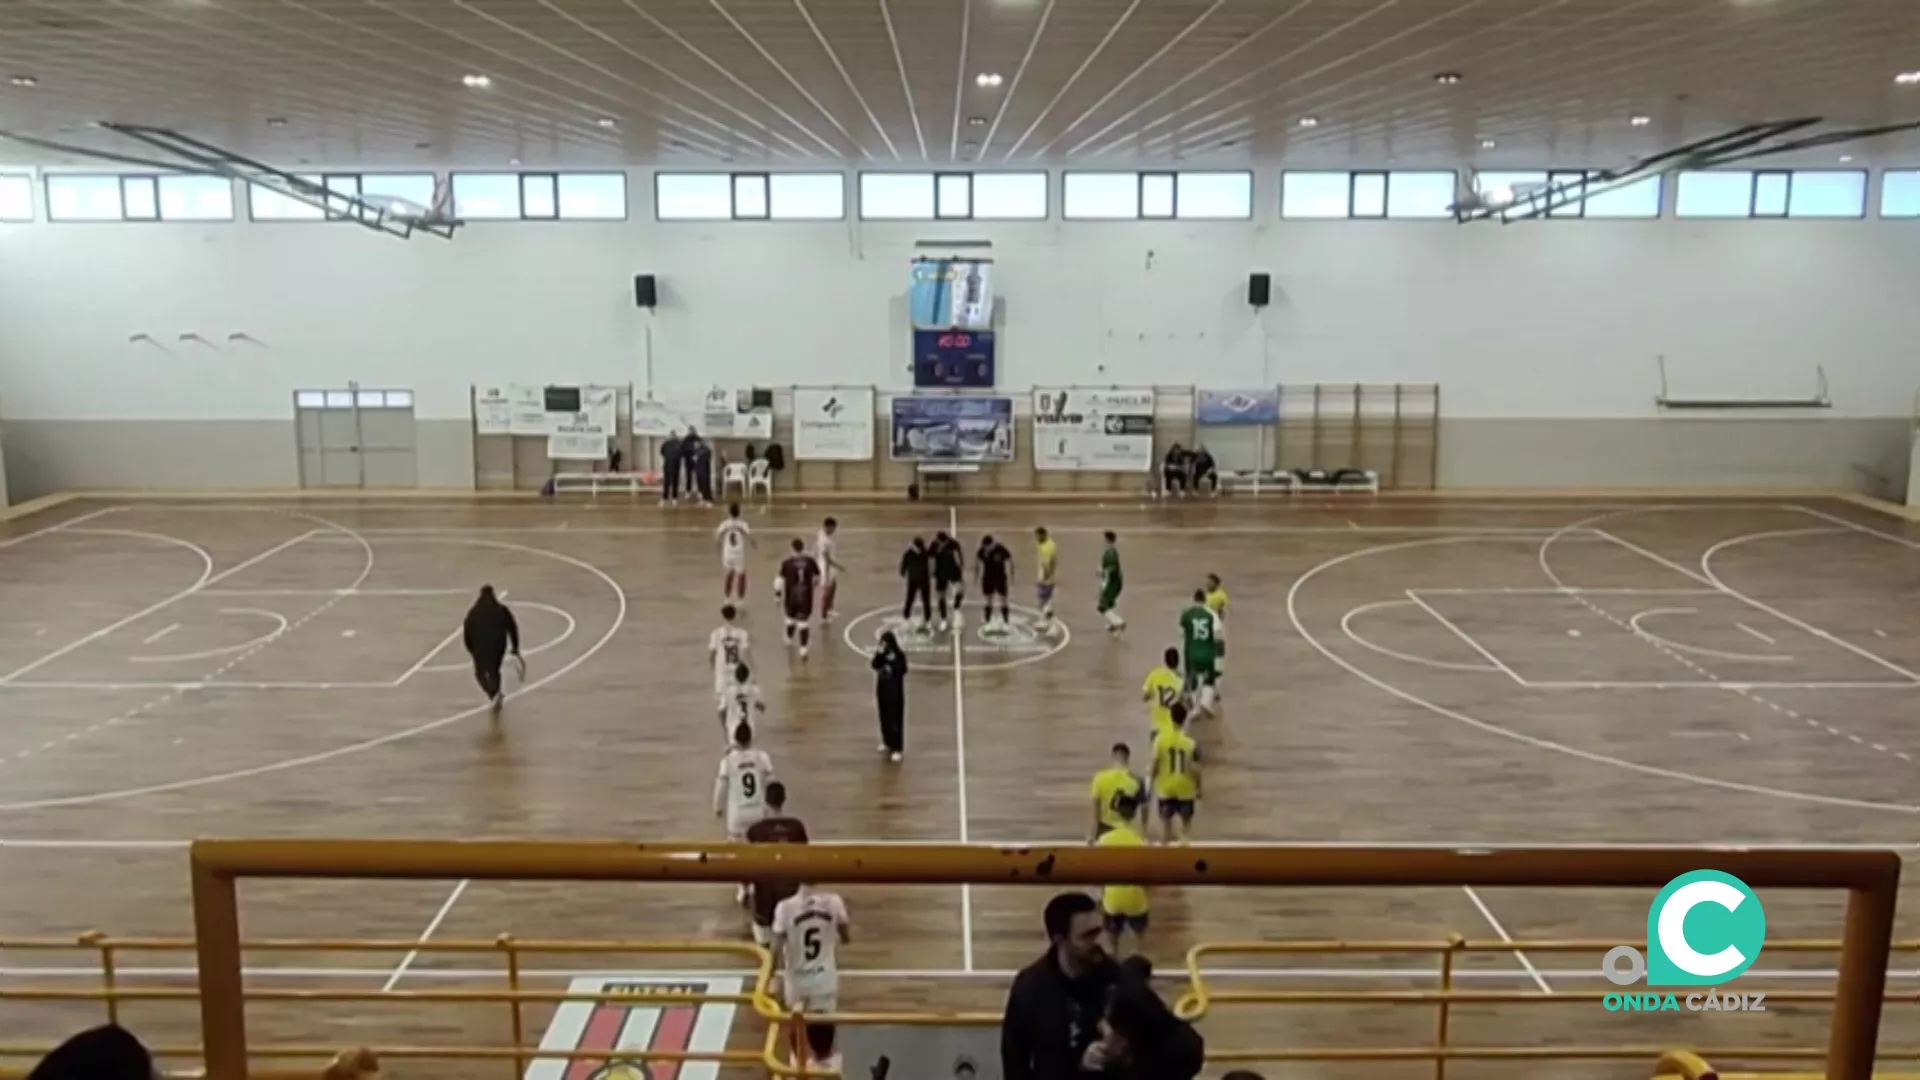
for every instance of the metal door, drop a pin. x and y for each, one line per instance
(355, 438)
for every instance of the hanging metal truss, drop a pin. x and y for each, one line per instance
(1749, 143)
(191, 157)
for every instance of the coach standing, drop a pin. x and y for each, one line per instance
(490, 633)
(890, 694)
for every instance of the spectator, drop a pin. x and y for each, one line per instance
(1203, 472)
(1140, 1038)
(1173, 471)
(103, 1053)
(702, 471)
(1054, 1008)
(491, 633)
(670, 453)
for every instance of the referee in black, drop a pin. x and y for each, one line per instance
(916, 566)
(490, 634)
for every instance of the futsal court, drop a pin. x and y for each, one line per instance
(1448, 672)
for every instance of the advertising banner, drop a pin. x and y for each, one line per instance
(1237, 406)
(1093, 430)
(952, 429)
(833, 424)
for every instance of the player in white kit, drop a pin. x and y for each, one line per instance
(740, 791)
(808, 929)
(826, 551)
(734, 536)
(741, 702)
(728, 647)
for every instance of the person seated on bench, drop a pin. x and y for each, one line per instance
(1201, 470)
(1173, 470)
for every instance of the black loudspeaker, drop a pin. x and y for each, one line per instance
(1259, 289)
(644, 293)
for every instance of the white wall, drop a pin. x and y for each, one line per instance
(1556, 319)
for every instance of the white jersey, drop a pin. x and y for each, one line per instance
(741, 789)
(810, 921)
(732, 535)
(825, 548)
(739, 702)
(731, 647)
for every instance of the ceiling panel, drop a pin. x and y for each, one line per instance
(892, 83)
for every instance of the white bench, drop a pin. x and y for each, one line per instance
(945, 472)
(594, 483)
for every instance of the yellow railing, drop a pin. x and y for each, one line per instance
(1857, 998)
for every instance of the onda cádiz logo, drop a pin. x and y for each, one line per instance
(1704, 928)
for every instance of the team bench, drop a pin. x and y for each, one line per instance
(593, 483)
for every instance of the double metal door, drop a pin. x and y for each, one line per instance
(356, 438)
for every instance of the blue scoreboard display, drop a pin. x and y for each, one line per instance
(953, 358)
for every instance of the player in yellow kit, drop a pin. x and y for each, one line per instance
(1162, 690)
(1176, 778)
(1114, 786)
(1124, 907)
(1046, 556)
(1217, 603)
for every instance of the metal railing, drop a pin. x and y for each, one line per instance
(1857, 999)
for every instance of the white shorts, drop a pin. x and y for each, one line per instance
(733, 560)
(737, 830)
(814, 997)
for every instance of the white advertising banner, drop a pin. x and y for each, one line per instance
(492, 410)
(670, 412)
(1093, 430)
(833, 423)
(729, 414)
(527, 407)
(584, 435)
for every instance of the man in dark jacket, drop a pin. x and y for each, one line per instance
(490, 633)
(1054, 1009)
(670, 468)
(703, 472)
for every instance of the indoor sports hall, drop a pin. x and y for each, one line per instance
(1518, 396)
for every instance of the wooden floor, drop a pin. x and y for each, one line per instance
(1437, 673)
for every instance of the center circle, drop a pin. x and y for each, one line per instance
(1023, 639)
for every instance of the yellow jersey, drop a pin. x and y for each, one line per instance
(1123, 899)
(1174, 756)
(1217, 603)
(1109, 784)
(1044, 554)
(1162, 688)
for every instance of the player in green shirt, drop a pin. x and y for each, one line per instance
(1199, 632)
(1110, 585)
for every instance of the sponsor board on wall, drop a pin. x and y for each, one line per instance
(833, 423)
(492, 410)
(1093, 430)
(581, 435)
(670, 412)
(734, 414)
(527, 405)
(636, 1020)
(1230, 407)
(929, 428)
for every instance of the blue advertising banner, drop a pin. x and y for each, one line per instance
(1237, 406)
(952, 429)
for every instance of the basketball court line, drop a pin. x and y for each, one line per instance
(207, 577)
(1469, 847)
(960, 760)
(400, 970)
(1526, 965)
(1707, 577)
(1346, 627)
(56, 527)
(334, 592)
(1413, 595)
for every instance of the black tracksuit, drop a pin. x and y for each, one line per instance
(917, 567)
(670, 468)
(1052, 1019)
(490, 633)
(890, 695)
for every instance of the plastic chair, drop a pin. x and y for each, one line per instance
(760, 478)
(734, 475)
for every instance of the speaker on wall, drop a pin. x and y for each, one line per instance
(644, 293)
(1259, 289)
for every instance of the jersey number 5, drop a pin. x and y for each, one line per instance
(810, 944)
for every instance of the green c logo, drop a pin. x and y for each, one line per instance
(1704, 928)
